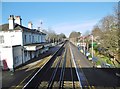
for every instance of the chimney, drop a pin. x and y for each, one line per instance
(18, 20)
(30, 25)
(11, 22)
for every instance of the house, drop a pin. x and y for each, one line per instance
(18, 43)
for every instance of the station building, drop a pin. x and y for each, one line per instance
(18, 44)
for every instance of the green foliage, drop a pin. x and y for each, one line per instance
(98, 63)
(90, 56)
(106, 33)
(108, 61)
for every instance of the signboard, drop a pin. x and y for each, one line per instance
(81, 44)
(94, 44)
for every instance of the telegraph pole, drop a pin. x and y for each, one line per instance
(92, 45)
(84, 45)
(41, 29)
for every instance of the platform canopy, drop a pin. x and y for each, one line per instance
(33, 47)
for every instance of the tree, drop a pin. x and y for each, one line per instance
(108, 33)
(97, 33)
(107, 22)
(61, 36)
(53, 37)
(74, 36)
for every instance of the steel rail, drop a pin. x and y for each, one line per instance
(72, 74)
(61, 82)
(51, 81)
(73, 59)
(32, 82)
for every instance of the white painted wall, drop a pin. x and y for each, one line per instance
(16, 37)
(1, 64)
(32, 38)
(11, 38)
(7, 54)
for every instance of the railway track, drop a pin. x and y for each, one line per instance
(57, 73)
(38, 76)
(61, 71)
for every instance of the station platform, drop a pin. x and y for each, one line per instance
(13, 79)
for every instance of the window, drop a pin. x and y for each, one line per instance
(38, 38)
(25, 38)
(32, 38)
(29, 38)
(1, 39)
(25, 53)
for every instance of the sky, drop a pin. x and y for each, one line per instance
(62, 17)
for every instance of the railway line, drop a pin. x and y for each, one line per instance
(58, 73)
(63, 71)
(39, 76)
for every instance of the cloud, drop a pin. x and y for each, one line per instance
(67, 28)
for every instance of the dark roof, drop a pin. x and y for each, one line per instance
(35, 44)
(5, 27)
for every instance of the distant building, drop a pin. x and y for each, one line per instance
(19, 44)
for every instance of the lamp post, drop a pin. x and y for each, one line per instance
(84, 45)
(93, 60)
(92, 45)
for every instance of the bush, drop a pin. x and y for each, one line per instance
(90, 56)
(98, 63)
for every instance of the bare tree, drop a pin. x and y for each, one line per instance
(107, 31)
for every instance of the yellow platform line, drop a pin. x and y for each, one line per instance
(18, 86)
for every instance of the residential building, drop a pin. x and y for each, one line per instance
(18, 43)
